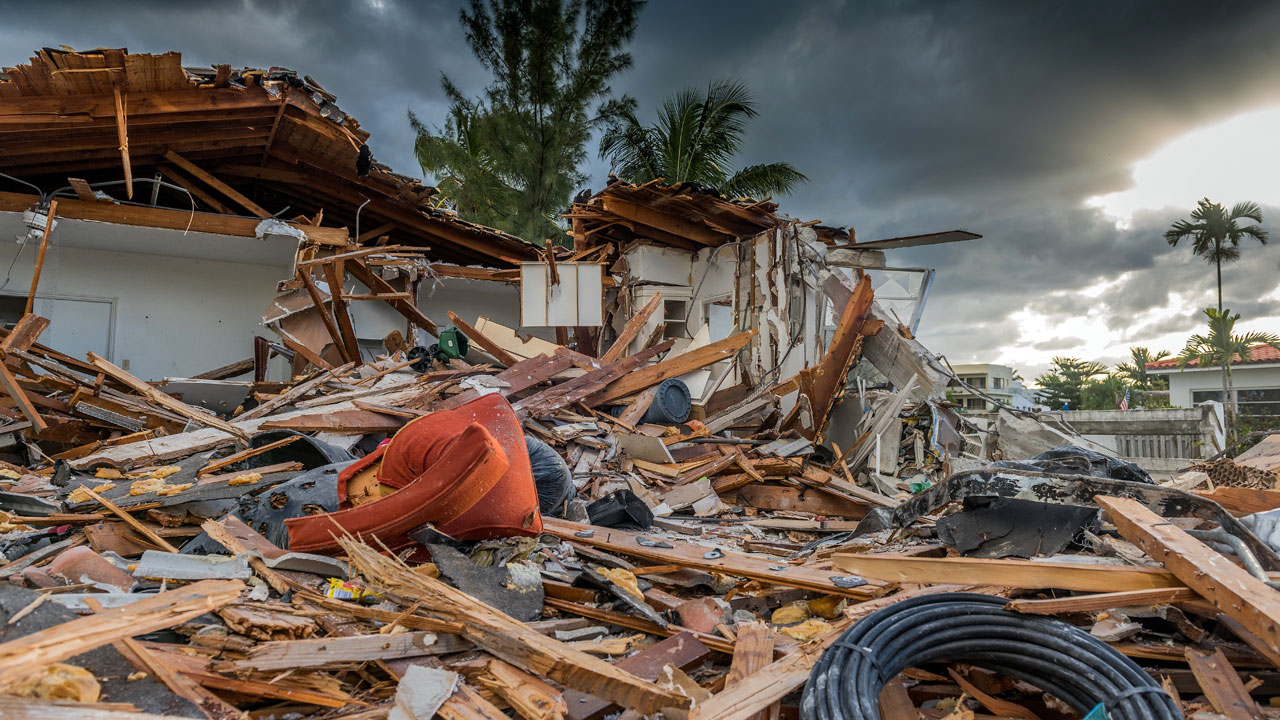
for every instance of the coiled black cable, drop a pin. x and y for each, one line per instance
(1052, 655)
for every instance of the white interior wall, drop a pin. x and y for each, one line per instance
(173, 316)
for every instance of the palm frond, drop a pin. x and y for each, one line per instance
(1247, 209)
(761, 181)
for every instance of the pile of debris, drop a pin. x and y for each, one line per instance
(730, 488)
(546, 538)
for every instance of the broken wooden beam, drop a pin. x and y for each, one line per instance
(893, 567)
(1231, 589)
(29, 653)
(673, 367)
(696, 556)
(199, 417)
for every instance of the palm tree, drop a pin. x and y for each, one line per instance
(1222, 347)
(1216, 234)
(695, 139)
(1135, 373)
(467, 177)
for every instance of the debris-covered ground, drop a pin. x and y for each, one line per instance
(521, 546)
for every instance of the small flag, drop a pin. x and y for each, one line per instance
(1124, 404)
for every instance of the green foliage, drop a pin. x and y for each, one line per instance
(1221, 345)
(1103, 393)
(1065, 382)
(695, 139)
(510, 158)
(1135, 373)
(1216, 234)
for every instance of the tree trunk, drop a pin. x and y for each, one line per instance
(1227, 404)
(1230, 391)
(1219, 285)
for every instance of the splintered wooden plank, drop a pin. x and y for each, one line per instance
(44, 248)
(829, 376)
(1221, 684)
(695, 556)
(1007, 573)
(509, 639)
(147, 216)
(13, 707)
(1244, 501)
(632, 329)
(673, 367)
(24, 334)
(329, 325)
(20, 656)
(339, 421)
(132, 521)
(294, 393)
(752, 652)
(1226, 585)
(335, 274)
(11, 387)
(569, 392)
(122, 133)
(315, 652)
(520, 377)
(1103, 601)
(681, 650)
(163, 400)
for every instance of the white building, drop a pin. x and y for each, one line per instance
(1256, 382)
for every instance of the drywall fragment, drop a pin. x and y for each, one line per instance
(421, 693)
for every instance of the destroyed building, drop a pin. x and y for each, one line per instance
(692, 462)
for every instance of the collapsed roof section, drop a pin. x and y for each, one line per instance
(249, 143)
(683, 215)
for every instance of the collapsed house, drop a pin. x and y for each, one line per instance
(694, 465)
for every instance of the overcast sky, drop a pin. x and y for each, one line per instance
(1004, 118)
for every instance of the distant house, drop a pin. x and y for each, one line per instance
(995, 381)
(1256, 382)
(1025, 398)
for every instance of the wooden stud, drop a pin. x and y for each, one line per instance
(673, 367)
(122, 133)
(336, 276)
(44, 247)
(1103, 601)
(374, 282)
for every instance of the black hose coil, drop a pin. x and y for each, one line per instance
(1048, 653)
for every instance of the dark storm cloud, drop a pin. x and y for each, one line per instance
(908, 117)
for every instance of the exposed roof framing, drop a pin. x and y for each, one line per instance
(248, 142)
